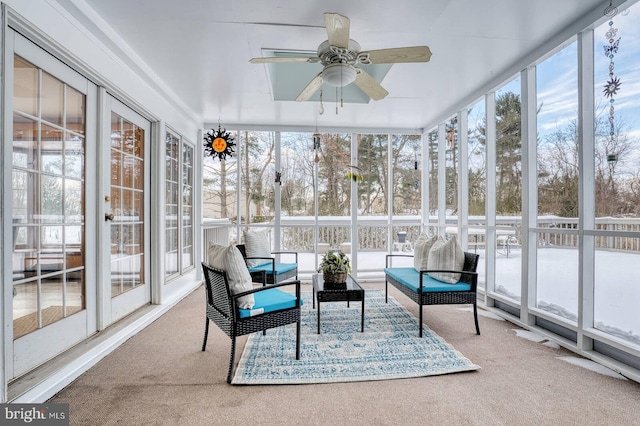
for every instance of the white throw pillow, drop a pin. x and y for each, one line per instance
(256, 244)
(421, 250)
(446, 255)
(230, 260)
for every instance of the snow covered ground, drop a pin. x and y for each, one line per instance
(616, 293)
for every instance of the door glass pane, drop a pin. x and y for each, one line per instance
(75, 111)
(52, 100)
(73, 155)
(51, 150)
(127, 184)
(25, 142)
(48, 202)
(25, 87)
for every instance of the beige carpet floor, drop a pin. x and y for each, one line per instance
(160, 377)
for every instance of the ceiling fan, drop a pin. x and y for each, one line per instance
(340, 56)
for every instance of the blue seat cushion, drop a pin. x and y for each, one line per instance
(410, 278)
(280, 268)
(269, 300)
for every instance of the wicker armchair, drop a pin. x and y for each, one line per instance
(222, 310)
(274, 272)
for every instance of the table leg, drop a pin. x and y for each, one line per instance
(313, 298)
(362, 320)
(318, 317)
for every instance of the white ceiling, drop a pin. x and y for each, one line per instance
(201, 50)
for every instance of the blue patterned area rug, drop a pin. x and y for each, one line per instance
(389, 348)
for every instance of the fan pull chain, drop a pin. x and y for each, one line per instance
(341, 86)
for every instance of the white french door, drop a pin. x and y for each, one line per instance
(49, 268)
(124, 174)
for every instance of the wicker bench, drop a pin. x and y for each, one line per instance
(425, 290)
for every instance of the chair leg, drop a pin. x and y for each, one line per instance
(206, 333)
(233, 355)
(475, 317)
(298, 340)
(420, 307)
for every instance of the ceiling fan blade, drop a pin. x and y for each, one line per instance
(400, 55)
(273, 59)
(370, 86)
(311, 88)
(337, 29)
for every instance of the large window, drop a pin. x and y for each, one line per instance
(220, 187)
(178, 205)
(371, 175)
(477, 152)
(257, 175)
(406, 183)
(298, 160)
(557, 178)
(452, 167)
(432, 151)
(477, 183)
(508, 190)
(617, 176)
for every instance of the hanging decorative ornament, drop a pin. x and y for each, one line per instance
(612, 86)
(316, 145)
(219, 143)
(354, 174)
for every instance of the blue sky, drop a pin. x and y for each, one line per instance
(557, 82)
(557, 77)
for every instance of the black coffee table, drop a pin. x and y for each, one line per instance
(347, 292)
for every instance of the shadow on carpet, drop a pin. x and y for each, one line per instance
(389, 348)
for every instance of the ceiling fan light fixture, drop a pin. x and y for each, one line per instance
(339, 75)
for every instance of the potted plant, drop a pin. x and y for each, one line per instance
(334, 267)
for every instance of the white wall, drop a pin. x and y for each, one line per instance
(86, 44)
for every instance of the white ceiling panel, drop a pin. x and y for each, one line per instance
(201, 50)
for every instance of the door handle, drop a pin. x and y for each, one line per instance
(109, 216)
